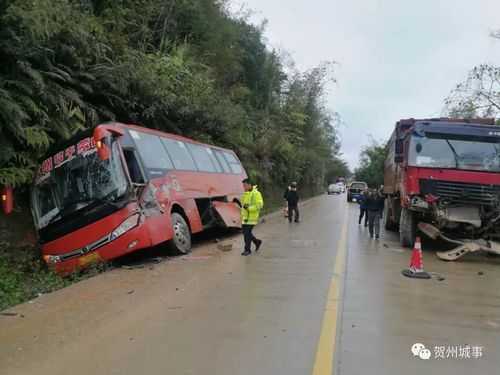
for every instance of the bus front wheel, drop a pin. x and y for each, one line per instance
(181, 242)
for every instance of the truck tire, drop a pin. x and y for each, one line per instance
(181, 242)
(407, 228)
(389, 223)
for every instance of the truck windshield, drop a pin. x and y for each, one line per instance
(453, 153)
(80, 180)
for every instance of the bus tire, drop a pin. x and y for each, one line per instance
(181, 241)
(407, 228)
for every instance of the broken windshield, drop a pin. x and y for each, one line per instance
(453, 153)
(74, 179)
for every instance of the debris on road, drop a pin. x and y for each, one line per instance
(175, 308)
(225, 246)
(130, 291)
(134, 267)
(480, 273)
(201, 257)
(143, 264)
(9, 314)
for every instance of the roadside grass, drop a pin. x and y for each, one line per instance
(24, 275)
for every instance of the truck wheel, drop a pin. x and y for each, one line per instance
(181, 242)
(388, 214)
(407, 228)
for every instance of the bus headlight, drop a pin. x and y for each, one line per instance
(51, 259)
(124, 227)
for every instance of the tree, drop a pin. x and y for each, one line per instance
(371, 168)
(185, 66)
(479, 94)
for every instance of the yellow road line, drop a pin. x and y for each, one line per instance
(323, 364)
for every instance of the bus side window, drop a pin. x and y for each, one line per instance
(222, 161)
(134, 168)
(233, 163)
(216, 163)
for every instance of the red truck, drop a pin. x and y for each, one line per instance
(442, 176)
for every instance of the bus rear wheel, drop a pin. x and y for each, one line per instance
(181, 242)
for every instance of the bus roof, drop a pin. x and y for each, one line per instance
(88, 133)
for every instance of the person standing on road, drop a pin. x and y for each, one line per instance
(362, 207)
(375, 207)
(251, 204)
(292, 198)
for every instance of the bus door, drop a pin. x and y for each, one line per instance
(149, 183)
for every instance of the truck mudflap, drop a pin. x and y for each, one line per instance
(229, 212)
(464, 247)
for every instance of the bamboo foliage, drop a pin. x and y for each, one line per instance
(184, 66)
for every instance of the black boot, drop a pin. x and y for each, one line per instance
(258, 243)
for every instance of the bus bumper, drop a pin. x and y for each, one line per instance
(129, 236)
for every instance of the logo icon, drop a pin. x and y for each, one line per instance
(419, 350)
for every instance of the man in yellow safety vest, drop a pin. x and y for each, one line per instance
(251, 204)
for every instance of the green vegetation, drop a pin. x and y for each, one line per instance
(371, 168)
(184, 66)
(187, 66)
(24, 276)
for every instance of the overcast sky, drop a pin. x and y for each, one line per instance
(397, 58)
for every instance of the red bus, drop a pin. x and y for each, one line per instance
(119, 188)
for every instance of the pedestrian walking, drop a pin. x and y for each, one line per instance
(375, 208)
(251, 204)
(362, 207)
(292, 199)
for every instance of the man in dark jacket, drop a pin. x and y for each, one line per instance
(375, 208)
(362, 207)
(292, 198)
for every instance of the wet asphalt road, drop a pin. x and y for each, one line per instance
(216, 312)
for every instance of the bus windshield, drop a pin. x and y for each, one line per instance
(71, 181)
(453, 153)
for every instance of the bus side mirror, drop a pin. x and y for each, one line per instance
(399, 151)
(103, 150)
(101, 139)
(7, 200)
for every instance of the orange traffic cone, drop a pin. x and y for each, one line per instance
(416, 269)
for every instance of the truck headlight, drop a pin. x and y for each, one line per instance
(130, 223)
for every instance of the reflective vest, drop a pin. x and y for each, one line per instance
(253, 199)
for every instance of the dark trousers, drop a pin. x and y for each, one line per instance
(248, 236)
(363, 212)
(374, 222)
(293, 210)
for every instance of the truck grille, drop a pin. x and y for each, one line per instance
(462, 192)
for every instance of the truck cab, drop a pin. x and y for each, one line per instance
(355, 189)
(444, 172)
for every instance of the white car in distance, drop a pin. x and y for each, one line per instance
(337, 188)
